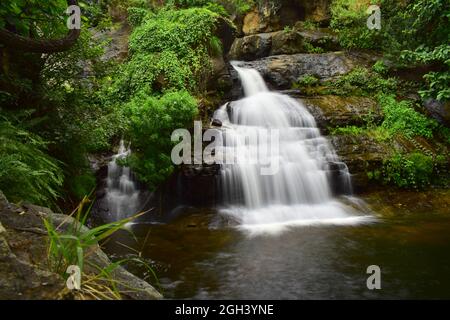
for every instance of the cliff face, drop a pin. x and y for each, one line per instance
(275, 15)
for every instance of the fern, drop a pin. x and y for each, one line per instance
(26, 171)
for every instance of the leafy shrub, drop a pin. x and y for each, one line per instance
(310, 48)
(380, 68)
(152, 121)
(411, 170)
(169, 51)
(400, 117)
(307, 80)
(136, 16)
(349, 20)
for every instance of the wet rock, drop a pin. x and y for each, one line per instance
(24, 272)
(226, 33)
(439, 110)
(274, 15)
(283, 70)
(117, 48)
(322, 37)
(261, 45)
(363, 154)
(216, 123)
(251, 47)
(337, 111)
(287, 43)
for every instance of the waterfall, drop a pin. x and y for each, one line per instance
(122, 194)
(299, 192)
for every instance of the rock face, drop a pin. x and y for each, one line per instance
(274, 15)
(364, 154)
(439, 110)
(261, 45)
(283, 70)
(24, 272)
(337, 111)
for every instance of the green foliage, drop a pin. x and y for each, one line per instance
(151, 72)
(380, 68)
(169, 62)
(348, 130)
(57, 99)
(27, 172)
(311, 48)
(215, 47)
(136, 16)
(309, 25)
(152, 121)
(168, 51)
(360, 81)
(400, 117)
(34, 18)
(71, 243)
(411, 170)
(307, 80)
(287, 29)
(349, 20)
(413, 33)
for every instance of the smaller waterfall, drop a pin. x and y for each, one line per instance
(122, 194)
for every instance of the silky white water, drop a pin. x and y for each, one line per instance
(121, 191)
(298, 192)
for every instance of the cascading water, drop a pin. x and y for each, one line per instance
(122, 194)
(299, 192)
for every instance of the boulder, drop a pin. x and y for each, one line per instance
(261, 45)
(274, 15)
(24, 272)
(439, 110)
(363, 154)
(337, 111)
(251, 47)
(282, 71)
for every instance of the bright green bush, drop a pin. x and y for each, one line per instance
(151, 72)
(400, 117)
(137, 15)
(349, 20)
(176, 30)
(380, 68)
(169, 61)
(169, 51)
(152, 121)
(411, 170)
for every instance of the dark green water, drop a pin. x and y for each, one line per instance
(198, 256)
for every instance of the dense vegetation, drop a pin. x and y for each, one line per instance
(56, 109)
(413, 33)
